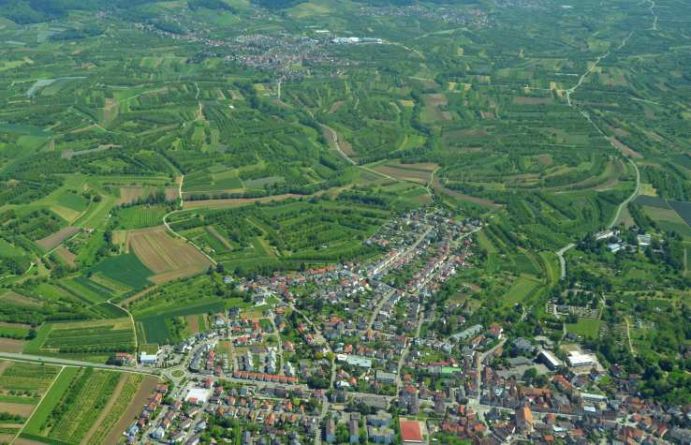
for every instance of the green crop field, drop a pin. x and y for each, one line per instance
(138, 217)
(126, 269)
(83, 338)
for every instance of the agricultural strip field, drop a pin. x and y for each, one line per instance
(21, 387)
(167, 257)
(288, 234)
(98, 337)
(419, 172)
(82, 406)
(52, 241)
(129, 411)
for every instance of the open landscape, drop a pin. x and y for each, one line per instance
(358, 221)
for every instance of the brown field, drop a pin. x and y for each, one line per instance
(146, 389)
(192, 323)
(205, 203)
(11, 345)
(7, 438)
(18, 299)
(168, 257)
(22, 409)
(52, 241)
(420, 173)
(68, 257)
(439, 187)
(436, 100)
(529, 100)
(624, 149)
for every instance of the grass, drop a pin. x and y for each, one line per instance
(72, 201)
(523, 289)
(586, 327)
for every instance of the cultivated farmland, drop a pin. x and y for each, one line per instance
(84, 338)
(167, 257)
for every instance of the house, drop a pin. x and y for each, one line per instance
(524, 419)
(382, 419)
(411, 432)
(495, 331)
(644, 240)
(330, 431)
(386, 377)
(380, 435)
(354, 430)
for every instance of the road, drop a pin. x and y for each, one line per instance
(562, 262)
(480, 364)
(67, 362)
(631, 197)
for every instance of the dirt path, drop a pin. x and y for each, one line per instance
(106, 409)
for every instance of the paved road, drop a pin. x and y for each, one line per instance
(562, 261)
(633, 196)
(67, 362)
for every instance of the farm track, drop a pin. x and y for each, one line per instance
(176, 234)
(560, 253)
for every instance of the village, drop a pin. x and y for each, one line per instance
(338, 355)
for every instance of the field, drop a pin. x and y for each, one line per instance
(96, 338)
(138, 217)
(85, 405)
(522, 291)
(160, 314)
(21, 387)
(586, 328)
(55, 239)
(125, 270)
(167, 257)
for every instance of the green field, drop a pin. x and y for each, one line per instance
(586, 328)
(84, 338)
(50, 400)
(126, 269)
(138, 217)
(522, 291)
